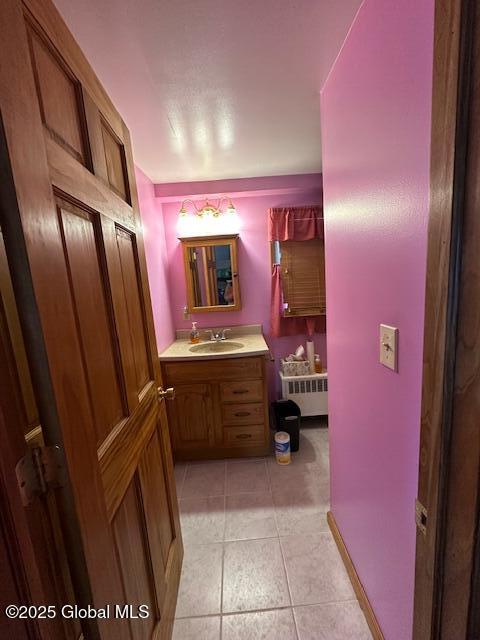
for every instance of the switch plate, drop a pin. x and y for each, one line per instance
(389, 346)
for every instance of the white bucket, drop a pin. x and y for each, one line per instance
(282, 447)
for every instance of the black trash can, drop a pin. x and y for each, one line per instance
(287, 418)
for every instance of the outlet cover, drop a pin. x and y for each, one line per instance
(389, 346)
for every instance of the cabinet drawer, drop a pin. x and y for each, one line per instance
(213, 370)
(243, 391)
(243, 413)
(244, 436)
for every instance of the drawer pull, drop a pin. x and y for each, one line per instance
(240, 391)
(242, 414)
(243, 436)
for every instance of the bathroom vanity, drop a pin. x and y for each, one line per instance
(220, 408)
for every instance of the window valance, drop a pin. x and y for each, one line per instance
(295, 223)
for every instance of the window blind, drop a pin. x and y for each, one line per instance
(303, 277)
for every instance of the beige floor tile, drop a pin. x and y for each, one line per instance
(246, 477)
(336, 621)
(254, 576)
(201, 581)
(250, 519)
(179, 470)
(204, 479)
(301, 513)
(313, 449)
(249, 516)
(202, 519)
(197, 629)
(277, 624)
(307, 479)
(315, 570)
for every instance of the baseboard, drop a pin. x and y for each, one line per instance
(355, 580)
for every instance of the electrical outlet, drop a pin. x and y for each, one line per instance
(389, 346)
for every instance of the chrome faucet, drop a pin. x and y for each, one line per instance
(216, 335)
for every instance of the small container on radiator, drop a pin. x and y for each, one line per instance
(295, 367)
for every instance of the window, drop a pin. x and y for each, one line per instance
(302, 266)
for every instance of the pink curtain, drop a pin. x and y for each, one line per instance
(281, 325)
(295, 223)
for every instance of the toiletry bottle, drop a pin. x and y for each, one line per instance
(194, 334)
(318, 364)
(311, 355)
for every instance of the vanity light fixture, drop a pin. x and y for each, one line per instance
(209, 209)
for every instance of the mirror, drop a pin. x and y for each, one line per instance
(211, 273)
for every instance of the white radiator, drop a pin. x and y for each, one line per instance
(309, 392)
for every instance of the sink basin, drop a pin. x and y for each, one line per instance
(216, 347)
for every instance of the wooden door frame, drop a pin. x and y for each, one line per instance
(42, 384)
(17, 531)
(447, 576)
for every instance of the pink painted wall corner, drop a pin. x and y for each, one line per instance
(155, 252)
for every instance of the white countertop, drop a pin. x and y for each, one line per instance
(249, 336)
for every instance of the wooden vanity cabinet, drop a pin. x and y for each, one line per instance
(220, 408)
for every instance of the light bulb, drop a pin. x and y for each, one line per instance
(231, 209)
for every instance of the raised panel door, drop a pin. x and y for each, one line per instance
(82, 235)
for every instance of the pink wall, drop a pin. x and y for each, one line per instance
(155, 251)
(254, 259)
(375, 110)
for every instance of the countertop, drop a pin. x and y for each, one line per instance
(250, 336)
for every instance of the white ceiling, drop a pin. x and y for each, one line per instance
(214, 89)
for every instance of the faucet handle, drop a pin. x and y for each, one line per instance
(223, 333)
(211, 333)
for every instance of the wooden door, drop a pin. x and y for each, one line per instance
(191, 417)
(79, 225)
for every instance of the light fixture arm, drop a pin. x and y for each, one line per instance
(183, 208)
(208, 204)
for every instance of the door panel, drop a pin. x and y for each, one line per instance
(87, 283)
(133, 553)
(120, 455)
(154, 489)
(133, 307)
(115, 162)
(88, 270)
(59, 95)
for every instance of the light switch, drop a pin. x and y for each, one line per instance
(388, 346)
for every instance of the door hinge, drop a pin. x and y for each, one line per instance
(420, 516)
(40, 470)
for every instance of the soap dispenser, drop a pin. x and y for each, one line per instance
(194, 334)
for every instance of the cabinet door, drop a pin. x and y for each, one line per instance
(191, 417)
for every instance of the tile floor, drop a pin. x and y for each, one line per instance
(260, 562)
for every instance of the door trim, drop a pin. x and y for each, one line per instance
(443, 587)
(357, 585)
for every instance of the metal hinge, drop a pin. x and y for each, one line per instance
(420, 516)
(40, 470)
